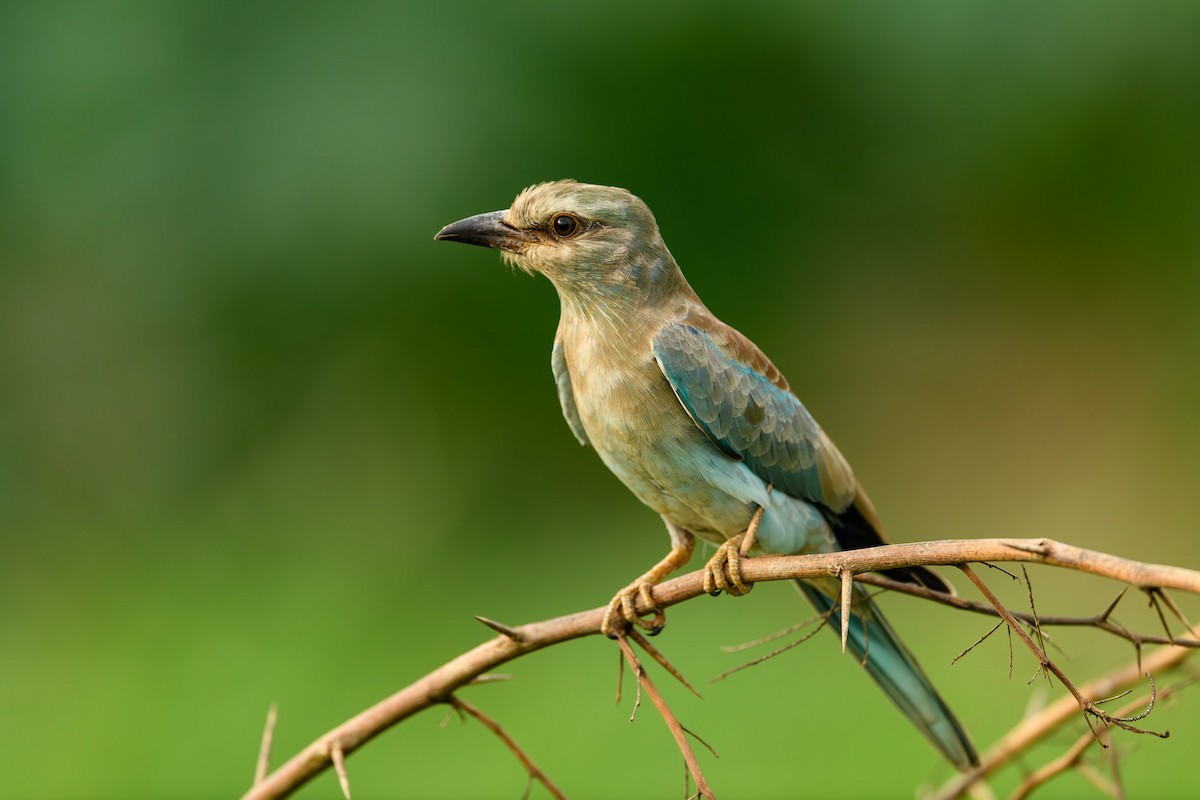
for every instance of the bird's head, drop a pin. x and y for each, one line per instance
(586, 239)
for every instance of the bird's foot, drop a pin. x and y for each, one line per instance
(723, 572)
(622, 610)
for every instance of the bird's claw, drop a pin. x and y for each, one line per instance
(622, 610)
(723, 572)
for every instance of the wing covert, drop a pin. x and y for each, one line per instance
(752, 418)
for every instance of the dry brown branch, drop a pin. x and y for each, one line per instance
(1049, 667)
(1071, 758)
(1037, 727)
(531, 769)
(1099, 621)
(437, 686)
(678, 731)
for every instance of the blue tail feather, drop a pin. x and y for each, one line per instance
(888, 661)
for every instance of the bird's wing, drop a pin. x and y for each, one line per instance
(566, 393)
(742, 403)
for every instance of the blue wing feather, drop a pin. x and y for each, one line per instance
(752, 419)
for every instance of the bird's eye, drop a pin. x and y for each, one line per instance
(565, 225)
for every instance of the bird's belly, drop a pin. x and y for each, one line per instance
(646, 438)
(705, 493)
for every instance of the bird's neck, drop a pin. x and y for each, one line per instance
(618, 298)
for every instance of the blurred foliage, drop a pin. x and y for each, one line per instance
(262, 439)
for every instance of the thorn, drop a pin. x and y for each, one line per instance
(1153, 593)
(662, 661)
(700, 739)
(264, 751)
(847, 590)
(1174, 608)
(490, 677)
(999, 569)
(339, 765)
(1039, 547)
(501, 628)
(1113, 605)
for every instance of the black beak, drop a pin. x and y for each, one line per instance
(488, 230)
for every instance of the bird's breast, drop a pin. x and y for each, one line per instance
(641, 431)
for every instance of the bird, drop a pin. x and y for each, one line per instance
(698, 424)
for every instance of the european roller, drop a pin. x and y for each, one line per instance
(697, 422)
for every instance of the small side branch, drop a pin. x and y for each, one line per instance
(1085, 704)
(1037, 727)
(531, 769)
(1101, 621)
(677, 730)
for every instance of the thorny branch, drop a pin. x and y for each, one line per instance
(1072, 757)
(1038, 726)
(1101, 621)
(439, 686)
(1086, 704)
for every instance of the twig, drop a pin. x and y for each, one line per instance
(1085, 704)
(439, 684)
(977, 642)
(662, 660)
(1038, 726)
(264, 750)
(677, 730)
(1099, 781)
(1099, 621)
(754, 662)
(1037, 624)
(1071, 757)
(771, 637)
(531, 769)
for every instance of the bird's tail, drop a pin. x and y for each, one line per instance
(888, 661)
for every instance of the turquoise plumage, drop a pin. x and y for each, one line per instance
(695, 420)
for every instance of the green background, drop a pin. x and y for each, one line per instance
(262, 439)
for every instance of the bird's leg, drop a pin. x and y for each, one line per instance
(622, 610)
(728, 558)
